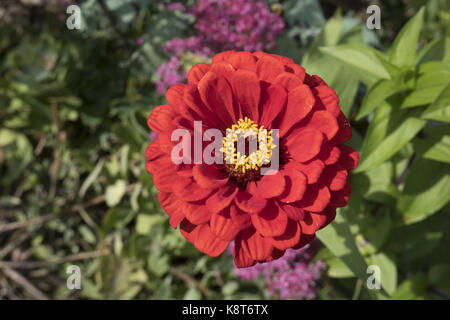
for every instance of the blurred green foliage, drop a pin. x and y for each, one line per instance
(73, 184)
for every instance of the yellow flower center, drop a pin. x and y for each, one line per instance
(246, 147)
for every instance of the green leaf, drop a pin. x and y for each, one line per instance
(439, 276)
(378, 228)
(157, 263)
(338, 237)
(364, 61)
(91, 178)
(230, 288)
(192, 294)
(145, 223)
(346, 88)
(115, 192)
(338, 269)
(337, 75)
(388, 269)
(413, 288)
(403, 52)
(432, 79)
(333, 30)
(87, 234)
(376, 184)
(340, 78)
(437, 50)
(440, 109)
(388, 133)
(382, 90)
(306, 12)
(427, 189)
(436, 146)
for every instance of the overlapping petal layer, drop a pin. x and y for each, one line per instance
(263, 214)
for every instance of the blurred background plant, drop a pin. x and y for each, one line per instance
(73, 110)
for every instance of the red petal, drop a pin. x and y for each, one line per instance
(284, 60)
(319, 219)
(243, 60)
(153, 151)
(185, 170)
(330, 214)
(164, 177)
(308, 224)
(250, 203)
(345, 131)
(340, 198)
(247, 90)
(292, 211)
(224, 69)
(299, 103)
(187, 230)
(175, 94)
(166, 144)
(222, 225)
(312, 169)
(315, 199)
(274, 101)
(295, 185)
(289, 238)
(186, 189)
(197, 72)
(270, 185)
(253, 245)
(195, 213)
(308, 228)
(209, 177)
(160, 119)
(330, 155)
(335, 178)
(207, 242)
(172, 206)
(276, 254)
(239, 217)
(176, 219)
(288, 80)
(298, 70)
(199, 110)
(217, 96)
(349, 158)
(153, 166)
(223, 56)
(221, 198)
(325, 122)
(268, 68)
(241, 256)
(304, 240)
(271, 221)
(328, 99)
(304, 144)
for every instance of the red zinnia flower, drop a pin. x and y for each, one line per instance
(264, 214)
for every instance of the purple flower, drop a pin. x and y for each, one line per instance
(221, 25)
(169, 74)
(140, 41)
(293, 276)
(178, 47)
(175, 6)
(237, 24)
